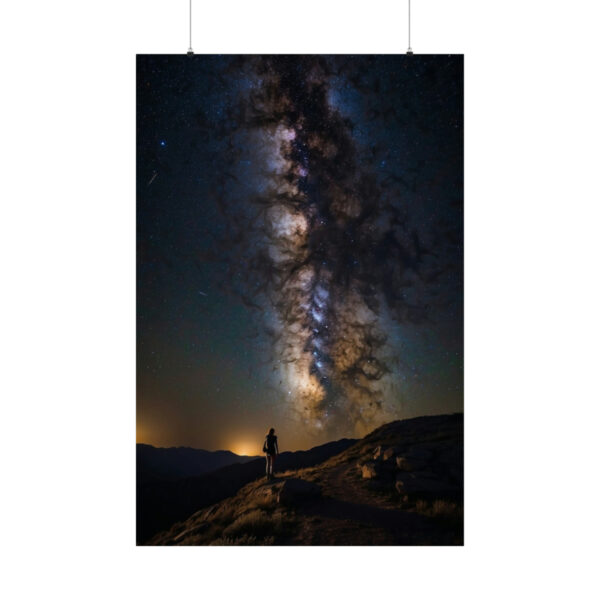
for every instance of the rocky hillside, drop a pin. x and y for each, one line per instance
(401, 484)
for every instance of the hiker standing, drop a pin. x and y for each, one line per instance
(271, 449)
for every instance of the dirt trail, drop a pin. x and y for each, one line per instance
(350, 513)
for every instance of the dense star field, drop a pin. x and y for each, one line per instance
(299, 245)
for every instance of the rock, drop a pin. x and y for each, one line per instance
(370, 470)
(403, 483)
(390, 453)
(402, 487)
(409, 464)
(378, 455)
(296, 490)
(269, 493)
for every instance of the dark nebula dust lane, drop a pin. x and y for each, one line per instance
(337, 185)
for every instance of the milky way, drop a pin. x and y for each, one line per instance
(318, 241)
(299, 258)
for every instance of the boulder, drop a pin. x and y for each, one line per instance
(378, 455)
(409, 464)
(296, 490)
(370, 470)
(268, 493)
(390, 453)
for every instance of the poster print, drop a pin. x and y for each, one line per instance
(300, 300)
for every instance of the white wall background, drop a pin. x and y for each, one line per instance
(67, 338)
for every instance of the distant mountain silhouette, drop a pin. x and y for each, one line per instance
(161, 501)
(155, 464)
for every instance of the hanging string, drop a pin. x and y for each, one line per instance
(409, 51)
(190, 51)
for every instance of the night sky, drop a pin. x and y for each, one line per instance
(300, 246)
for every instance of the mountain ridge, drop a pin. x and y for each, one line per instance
(156, 463)
(192, 448)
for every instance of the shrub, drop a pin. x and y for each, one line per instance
(441, 509)
(260, 525)
(256, 523)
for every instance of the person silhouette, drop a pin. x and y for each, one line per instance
(271, 449)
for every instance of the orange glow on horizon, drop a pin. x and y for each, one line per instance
(141, 434)
(245, 449)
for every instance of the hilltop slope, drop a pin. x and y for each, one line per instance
(160, 503)
(401, 484)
